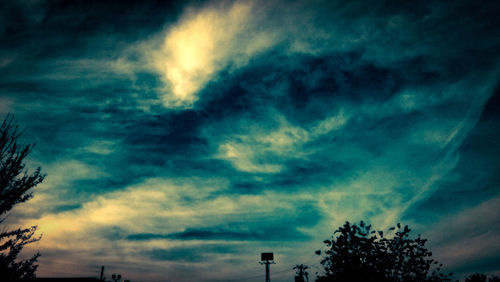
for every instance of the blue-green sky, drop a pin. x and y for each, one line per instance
(182, 139)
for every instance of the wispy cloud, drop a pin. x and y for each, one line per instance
(240, 126)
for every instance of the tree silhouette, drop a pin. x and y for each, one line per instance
(478, 277)
(357, 253)
(15, 186)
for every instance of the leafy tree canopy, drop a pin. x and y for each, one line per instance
(358, 253)
(478, 277)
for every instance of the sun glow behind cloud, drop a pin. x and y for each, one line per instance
(202, 43)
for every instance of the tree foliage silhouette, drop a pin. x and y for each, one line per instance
(358, 253)
(478, 277)
(15, 187)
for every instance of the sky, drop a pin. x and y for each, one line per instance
(182, 139)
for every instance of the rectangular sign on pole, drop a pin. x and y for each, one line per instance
(266, 256)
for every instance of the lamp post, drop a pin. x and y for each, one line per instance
(267, 259)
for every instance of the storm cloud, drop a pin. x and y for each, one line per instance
(185, 137)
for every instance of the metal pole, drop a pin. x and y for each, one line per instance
(268, 279)
(267, 259)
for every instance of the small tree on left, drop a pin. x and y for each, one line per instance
(16, 184)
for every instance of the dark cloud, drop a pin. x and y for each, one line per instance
(260, 234)
(74, 23)
(282, 226)
(351, 110)
(191, 254)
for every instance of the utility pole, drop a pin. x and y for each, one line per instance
(101, 277)
(301, 272)
(267, 259)
(116, 277)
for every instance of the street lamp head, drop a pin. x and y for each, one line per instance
(266, 256)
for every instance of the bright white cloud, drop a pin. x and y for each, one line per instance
(60, 174)
(100, 147)
(264, 150)
(203, 42)
(163, 206)
(329, 124)
(244, 158)
(159, 206)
